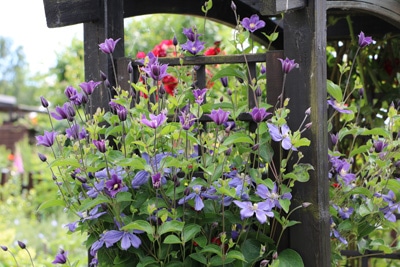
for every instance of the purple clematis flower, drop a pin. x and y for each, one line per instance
(115, 185)
(156, 70)
(47, 139)
(61, 257)
(199, 95)
(93, 192)
(187, 119)
(127, 239)
(155, 121)
(288, 65)
(219, 116)
(253, 23)
(190, 34)
(379, 145)
(339, 107)
(335, 233)
(193, 47)
(342, 168)
(261, 209)
(282, 135)
(363, 40)
(108, 46)
(259, 114)
(198, 195)
(65, 112)
(143, 176)
(344, 212)
(272, 196)
(156, 180)
(74, 133)
(88, 87)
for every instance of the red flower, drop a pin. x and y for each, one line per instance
(170, 83)
(215, 50)
(141, 54)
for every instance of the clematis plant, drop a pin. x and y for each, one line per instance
(178, 179)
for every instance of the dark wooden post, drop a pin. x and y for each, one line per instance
(109, 25)
(305, 41)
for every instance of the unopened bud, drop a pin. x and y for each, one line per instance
(228, 151)
(21, 244)
(103, 76)
(221, 99)
(4, 248)
(44, 102)
(258, 91)
(130, 68)
(229, 91)
(42, 157)
(308, 111)
(264, 263)
(233, 6)
(255, 147)
(175, 40)
(308, 125)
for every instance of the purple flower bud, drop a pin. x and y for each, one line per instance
(263, 69)
(42, 157)
(258, 91)
(335, 138)
(361, 92)
(255, 147)
(81, 179)
(233, 6)
(130, 68)
(308, 111)
(103, 76)
(45, 103)
(21, 244)
(224, 81)
(229, 91)
(162, 90)
(228, 151)
(100, 145)
(308, 125)
(221, 99)
(4, 248)
(175, 40)
(156, 179)
(88, 87)
(306, 204)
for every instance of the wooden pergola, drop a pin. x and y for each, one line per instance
(303, 37)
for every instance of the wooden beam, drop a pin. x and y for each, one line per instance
(275, 7)
(388, 10)
(109, 25)
(68, 12)
(305, 41)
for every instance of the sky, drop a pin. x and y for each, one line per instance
(24, 22)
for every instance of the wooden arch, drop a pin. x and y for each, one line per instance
(304, 39)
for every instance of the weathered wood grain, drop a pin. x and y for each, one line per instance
(274, 7)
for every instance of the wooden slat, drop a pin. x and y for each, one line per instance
(68, 12)
(275, 7)
(305, 41)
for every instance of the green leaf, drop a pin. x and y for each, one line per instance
(300, 172)
(212, 248)
(251, 250)
(199, 257)
(170, 226)
(285, 203)
(90, 203)
(51, 203)
(235, 254)
(172, 239)
(140, 225)
(238, 138)
(271, 37)
(190, 231)
(377, 131)
(359, 150)
(335, 91)
(229, 72)
(123, 196)
(62, 162)
(290, 258)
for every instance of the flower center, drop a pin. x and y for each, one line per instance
(252, 25)
(255, 206)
